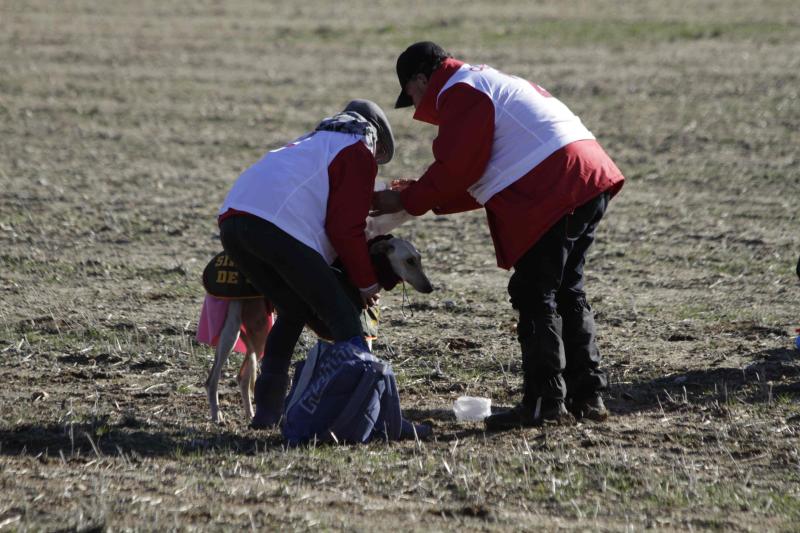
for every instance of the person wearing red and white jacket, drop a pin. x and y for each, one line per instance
(289, 216)
(507, 145)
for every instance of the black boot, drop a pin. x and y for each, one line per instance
(545, 410)
(270, 392)
(543, 386)
(583, 375)
(589, 408)
(543, 360)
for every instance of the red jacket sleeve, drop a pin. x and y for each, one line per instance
(464, 202)
(461, 151)
(351, 177)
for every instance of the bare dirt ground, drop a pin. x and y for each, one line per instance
(122, 125)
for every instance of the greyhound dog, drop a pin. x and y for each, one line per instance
(249, 320)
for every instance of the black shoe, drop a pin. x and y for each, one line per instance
(270, 392)
(523, 416)
(589, 408)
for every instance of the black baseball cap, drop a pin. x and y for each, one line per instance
(418, 58)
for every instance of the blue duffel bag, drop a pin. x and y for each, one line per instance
(342, 393)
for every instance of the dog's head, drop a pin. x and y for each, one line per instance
(405, 261)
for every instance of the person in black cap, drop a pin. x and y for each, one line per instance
(289, 216)
(507, 145)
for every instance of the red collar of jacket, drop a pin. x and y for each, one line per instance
(427, 110)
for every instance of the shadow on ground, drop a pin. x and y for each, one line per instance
(129, 438)
(772, 373)
(445, 426)
(97, 437)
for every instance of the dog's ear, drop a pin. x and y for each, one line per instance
(381, 247)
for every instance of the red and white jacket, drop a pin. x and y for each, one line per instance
(507, 145)
(317, 189)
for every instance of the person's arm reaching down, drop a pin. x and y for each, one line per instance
(461, 151)
(352, 178)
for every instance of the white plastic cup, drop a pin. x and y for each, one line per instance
(472, 408)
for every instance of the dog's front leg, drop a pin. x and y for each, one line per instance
(227, 340)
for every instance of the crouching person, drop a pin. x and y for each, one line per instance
(288, 217)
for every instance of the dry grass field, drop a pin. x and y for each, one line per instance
(123, 124)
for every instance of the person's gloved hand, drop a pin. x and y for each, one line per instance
(370, 296)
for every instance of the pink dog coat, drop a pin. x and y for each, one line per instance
(212, 319)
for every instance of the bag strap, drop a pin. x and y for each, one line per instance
(391, 417)
(343, 427)
(308, 372)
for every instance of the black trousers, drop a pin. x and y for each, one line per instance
(556, 327)
(295, 278)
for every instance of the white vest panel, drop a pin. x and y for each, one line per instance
(289, 187)
(529, 125)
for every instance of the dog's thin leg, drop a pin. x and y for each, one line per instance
(227, 340)
(257, 327)
(247, 381)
